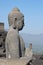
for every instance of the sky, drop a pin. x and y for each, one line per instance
(32, 10)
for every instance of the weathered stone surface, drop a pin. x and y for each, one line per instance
(16, 15)
(28, 51)
(3, 34)
(22, 46)
(14, 44)
(15, 47)
(16, 53)
(14, 61)
(1, 26)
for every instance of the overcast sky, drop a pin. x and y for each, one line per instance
(32, 10)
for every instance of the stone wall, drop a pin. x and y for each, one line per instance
(3, 34)
(1, 26)
(2, 42)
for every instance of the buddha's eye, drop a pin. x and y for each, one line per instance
(15, 19)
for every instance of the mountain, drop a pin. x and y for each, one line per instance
(35, 39)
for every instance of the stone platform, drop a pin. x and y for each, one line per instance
(4, 61)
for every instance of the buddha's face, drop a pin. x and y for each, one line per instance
(16, 18)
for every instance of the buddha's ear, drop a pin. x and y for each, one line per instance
(15, 19)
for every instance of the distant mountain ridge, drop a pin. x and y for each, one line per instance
(35, 39)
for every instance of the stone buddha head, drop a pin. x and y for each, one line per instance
(16, 19)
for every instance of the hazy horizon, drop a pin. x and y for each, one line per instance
(36, 40)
